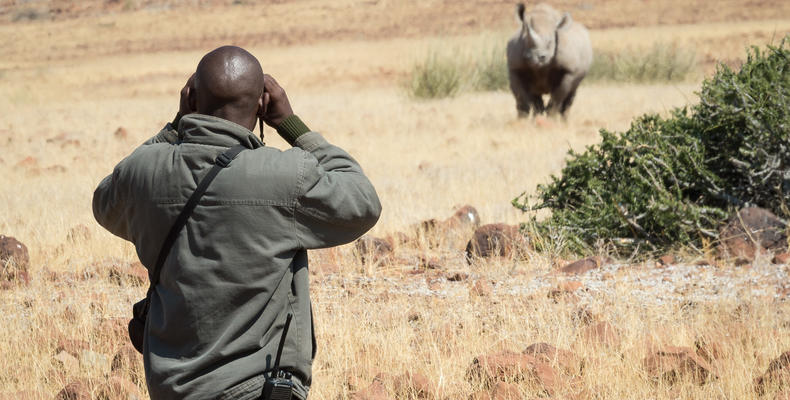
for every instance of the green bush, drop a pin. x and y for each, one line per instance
(491, 71)
(661, 63)
(669, 182)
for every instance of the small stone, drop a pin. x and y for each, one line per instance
(414, 385)
(481, 288)
(581, 266)
(75, 390)
(121, 133)
(674, 364)
(128, 362)
(66, 362)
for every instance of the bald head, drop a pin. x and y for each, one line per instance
(229, 85)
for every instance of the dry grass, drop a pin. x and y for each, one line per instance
(424, 158)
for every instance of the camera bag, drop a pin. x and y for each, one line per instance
(140, 309)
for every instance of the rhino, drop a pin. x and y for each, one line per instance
(550, 54)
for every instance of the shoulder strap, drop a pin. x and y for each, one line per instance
(222, 161)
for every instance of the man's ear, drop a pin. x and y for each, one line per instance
(191, 99)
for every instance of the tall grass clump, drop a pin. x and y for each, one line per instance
(438, 76)
(661, 63)
(667, 182)
(447, 72)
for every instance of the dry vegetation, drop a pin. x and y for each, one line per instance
(69, 79)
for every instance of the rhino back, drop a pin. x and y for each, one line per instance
(574, 50)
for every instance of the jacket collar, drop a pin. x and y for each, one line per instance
(213, 131)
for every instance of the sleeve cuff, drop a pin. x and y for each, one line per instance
(291, 128)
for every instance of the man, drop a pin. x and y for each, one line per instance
(239, 266)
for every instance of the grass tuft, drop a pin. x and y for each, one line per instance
(661, 63)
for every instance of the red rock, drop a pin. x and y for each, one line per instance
(495, 240)
(482, 288)
(777, 375)
(750, 230)
(75, 390)
(373, 250)
(565, 359)
(134, 274)
(512, 367)
(14, 260)
(667, 260)
(781, 258)
(118, 388)
(602, 334)
(565, 291)
(673, 364)
(127, 362)
(121, 133)
(581, 266)
(414, 386)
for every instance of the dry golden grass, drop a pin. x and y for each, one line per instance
(65, 87)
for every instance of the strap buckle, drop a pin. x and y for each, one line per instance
(223, 160)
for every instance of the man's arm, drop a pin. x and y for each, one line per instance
(110, 205)
(336, 203)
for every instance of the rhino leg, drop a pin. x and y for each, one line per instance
(525, 99)
(563, 94)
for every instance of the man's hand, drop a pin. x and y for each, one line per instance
(276, 107)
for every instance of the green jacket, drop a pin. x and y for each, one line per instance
(239, 266)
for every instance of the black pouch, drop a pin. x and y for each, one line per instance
(137, 324)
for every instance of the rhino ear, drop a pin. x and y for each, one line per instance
(520, 11)
(565, 21)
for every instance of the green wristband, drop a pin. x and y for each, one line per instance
(291, 128)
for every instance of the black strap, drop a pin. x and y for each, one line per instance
(222, 161)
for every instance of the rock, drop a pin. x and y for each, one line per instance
(121, 133)
(75, 390)
(376, 391)
(72, 346)
(495, 240)
(373, 250)
(94, 361)
(14, 260)
(414, 386)
(750, 230)
(581, 266)
(565, 291)
(111, 330)
(512, 367)
(501, 391)
(781, 258)
(777, 375)
(464, 217)
(565, 359)
(78, 233)
(429, 263)
(127, 362)
(66, 362)
(452, 232)
(673, 364)
(667, 260)
(118, 388)
(601, 334)
(457, 276)
(134, 274)
(481, 288)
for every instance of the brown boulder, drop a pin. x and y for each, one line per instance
(565, 359)
(117, 388)
(76, 390)
(750, 230)
(134, 274)
(373, 250)
(672, 364)
(777, 375)
(14, 260)
(512, 367)
(414, 386)
(581, 266)
(495, 240)
(72, 346)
